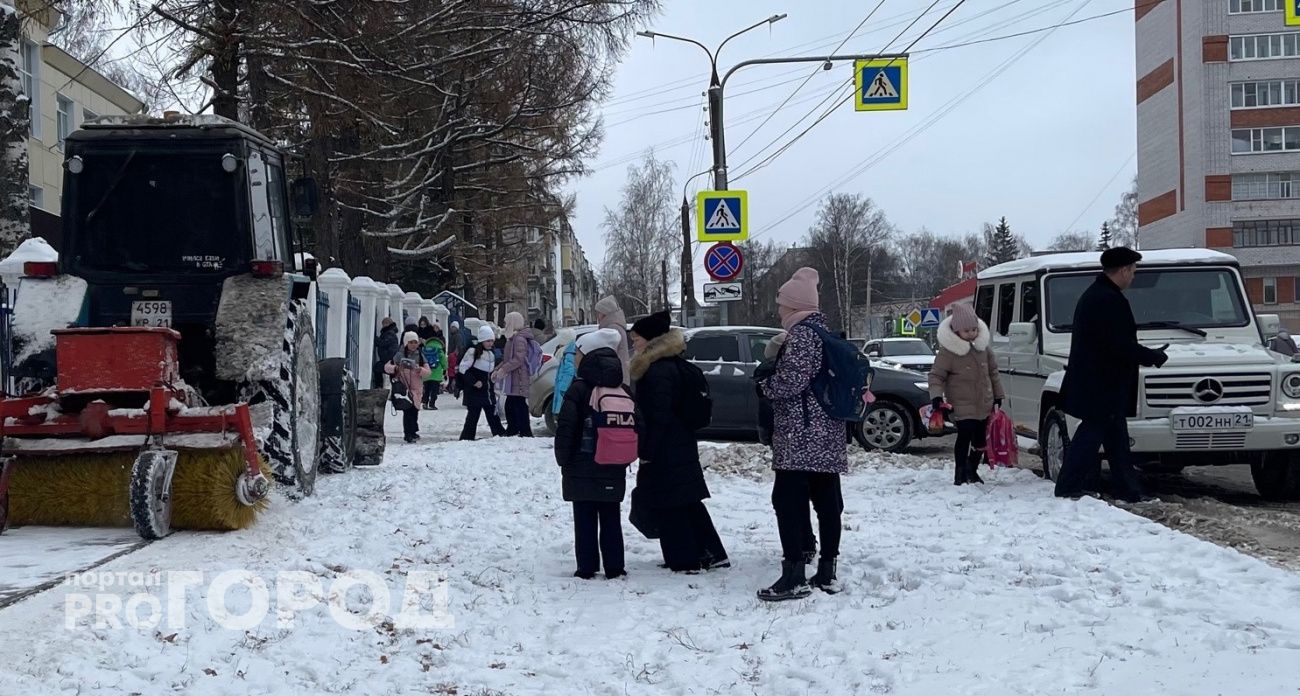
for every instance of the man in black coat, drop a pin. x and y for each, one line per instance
(386, 346)
(1100, 386)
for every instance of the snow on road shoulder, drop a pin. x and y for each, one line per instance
(998, 589)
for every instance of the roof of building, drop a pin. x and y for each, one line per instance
(1092, 260)
(96, 81)
(955, 293)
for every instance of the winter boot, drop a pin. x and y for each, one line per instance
(825, 579)
(709, 562)
(959, 473)
(973, 467)
(792, 585)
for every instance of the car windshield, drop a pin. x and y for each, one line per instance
(1199, 297)
(145, 211)
(893, 348)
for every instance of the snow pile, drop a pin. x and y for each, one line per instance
(747, 460)
(33, 249)
(996, 589)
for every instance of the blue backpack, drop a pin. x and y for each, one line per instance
(841, 385)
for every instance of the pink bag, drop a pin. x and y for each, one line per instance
(1003, 447)
(614, 418)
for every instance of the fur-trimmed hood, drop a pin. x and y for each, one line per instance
(955, 344)
(668, 345)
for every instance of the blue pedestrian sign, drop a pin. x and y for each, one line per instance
(723, 262)
(931, 317)
(722, 216)
(881, 84)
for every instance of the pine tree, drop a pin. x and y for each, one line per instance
(14, 220)
(1002, 245)
(1106, 239)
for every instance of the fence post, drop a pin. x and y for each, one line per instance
(336, 283)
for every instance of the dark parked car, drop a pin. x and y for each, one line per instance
(728, 356)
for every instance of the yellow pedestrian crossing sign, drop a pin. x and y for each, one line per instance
(906, 327)
(881, 83)
(722, 216)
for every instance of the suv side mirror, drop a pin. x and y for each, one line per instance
(1269, 324)
(1022, 332)
(305, 196)
(873, 353)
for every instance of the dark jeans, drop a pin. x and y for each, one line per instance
(411, 422)
(687, 536)
(603, 521)
(791, 493)
(471, 421)
(1081, 471)
(970, 433)
(431, 391)
(518, 422)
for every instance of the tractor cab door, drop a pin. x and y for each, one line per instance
(268, 197)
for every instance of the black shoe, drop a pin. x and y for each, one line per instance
(973, 467)
(433, 407)
(959, 475)
(708, 562)
(792, 585)
(615, 574)
(584, 574)
(825, 579)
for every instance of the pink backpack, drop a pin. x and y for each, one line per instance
(1002, 443)
(614, 419)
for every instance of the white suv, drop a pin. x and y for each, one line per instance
(1223, 398)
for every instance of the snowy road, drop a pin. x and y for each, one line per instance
(993, 590)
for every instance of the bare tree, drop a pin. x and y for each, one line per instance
(849, 231)
(1071, 241)
(15, 220)
(1124, 225)
(640, 233)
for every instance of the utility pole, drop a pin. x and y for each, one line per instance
(688, 279)
(717, 86)
(663, 270)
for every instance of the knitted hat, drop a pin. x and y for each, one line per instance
(607, 305)
(1119, 257)
(774, 346)
(485, 333)
(594, 341)
(410, 336)
(800, 292)
(963, 318)
(455, 325)
(653, 326)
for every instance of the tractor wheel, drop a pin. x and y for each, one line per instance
(292, 445)
(151, 493)
(338, 416)
(4, 511)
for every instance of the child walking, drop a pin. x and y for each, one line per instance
(410, 368)
(596, 490)
(476, 384)
(966, 372)
(435, 352)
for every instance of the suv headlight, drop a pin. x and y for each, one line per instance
(1291, 385)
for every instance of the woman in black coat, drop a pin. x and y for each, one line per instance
(669, 482)
(596, 490)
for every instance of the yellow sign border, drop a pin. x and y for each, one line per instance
(740, 236)
(901, 62)
(1292, 13)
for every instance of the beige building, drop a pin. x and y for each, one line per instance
(64, 93)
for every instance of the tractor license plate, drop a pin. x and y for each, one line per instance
(1212, 421)
(156, 313)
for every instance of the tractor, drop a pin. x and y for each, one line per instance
(170, 354)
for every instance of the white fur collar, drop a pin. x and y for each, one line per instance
(955, 344)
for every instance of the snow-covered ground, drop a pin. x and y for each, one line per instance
(999, 589)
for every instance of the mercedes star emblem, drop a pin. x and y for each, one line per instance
(1208, 391)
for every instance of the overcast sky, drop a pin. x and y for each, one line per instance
(1049, 142)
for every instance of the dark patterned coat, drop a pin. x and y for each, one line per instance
(805, 437)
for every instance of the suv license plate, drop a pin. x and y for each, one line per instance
(153, 313)
(1212, 422)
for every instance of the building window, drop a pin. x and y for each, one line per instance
(31, 81)
(36, 196)
(1271, 186)
(1265, 233)
(1252, 6)
(1264, 46)
(1250, 95)
(63, 117)
(1270, 291)
(1247, 141)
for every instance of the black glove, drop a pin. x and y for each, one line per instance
(1161, 356)
(997, 403)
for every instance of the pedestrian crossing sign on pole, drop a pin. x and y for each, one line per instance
(722, 216)
(906, 327)
(882, 83)
(1292, 12)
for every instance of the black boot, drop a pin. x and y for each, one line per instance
(825, 579)
(792, 585)
(959, 473)
(973, 467)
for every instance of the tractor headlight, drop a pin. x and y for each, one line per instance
(1291, 385)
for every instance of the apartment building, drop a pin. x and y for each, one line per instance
(1218, 134)
(64, 92)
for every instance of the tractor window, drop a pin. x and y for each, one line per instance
(279, 210)
(264, 246)
(138, 211)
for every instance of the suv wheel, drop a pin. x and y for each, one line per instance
(886, 427)
(549, 417)
(1277, 478)
(1055, 444)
